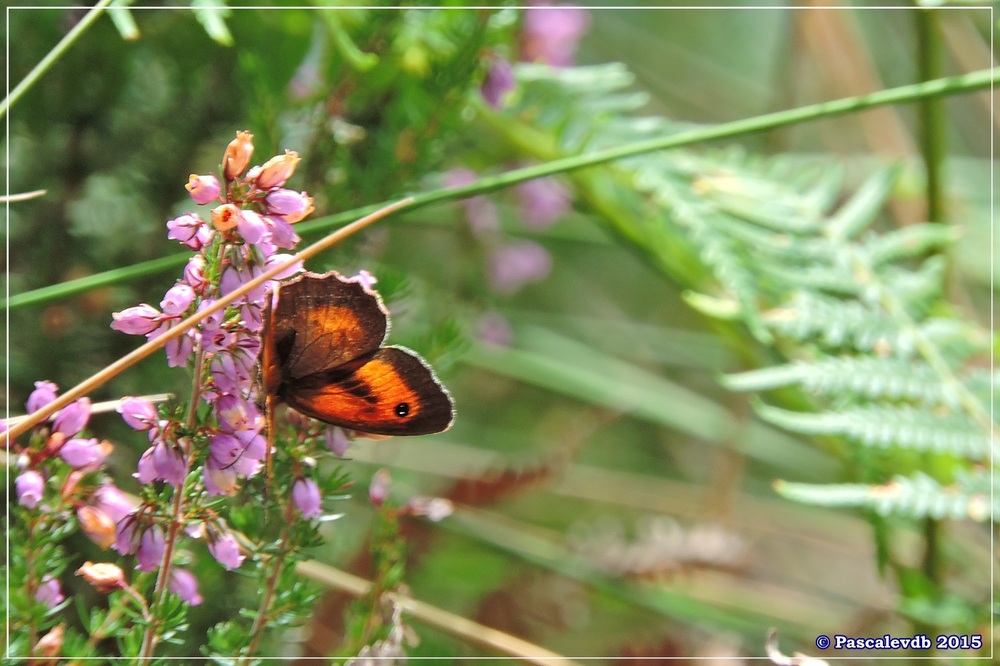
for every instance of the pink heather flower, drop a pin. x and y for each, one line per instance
(378, 489)
(151, 547)
(178, 349)
(219, 479)
(169, 463)
(29, 487)
(365, 279)
(225, 217)
(236, 414)
(44, 393)
(551, 34)
(336, 440)
(277, 170)
(73, 418)
(229, 375)
(281, 201)
(49, 592)
(226, 551)
(137, 320)
(498, 82)
(127, 536)
(203, 188)
(276, 259)
(515, 265)
(251, 226)
(194, 273)
(305, 494)
(233, 278)
(177, 300)
(114, 503)
(190, 230)
(480, 212)
(543, 201)
(139, 414)
(79, 452)
(281, 232)
(184, 584)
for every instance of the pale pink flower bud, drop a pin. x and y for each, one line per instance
(190, 230)
(138, 320)
(251, 226)
(177, 299)
(139, 414)
(73, 418)
(306, 495)
(286, 202)
(44, 393)
(79, 452)
(378, 490)
(151, 547)
(29, 486)
(203, 188)
(114, 503)
(226, 551)
(184, 584)
(50, 592)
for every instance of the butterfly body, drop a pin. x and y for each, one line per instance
(323, 356)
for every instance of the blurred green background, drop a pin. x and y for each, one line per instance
(612, 499)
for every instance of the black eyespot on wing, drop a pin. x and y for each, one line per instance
(402, 409)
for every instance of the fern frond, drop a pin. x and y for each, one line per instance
(908, 242)
(919, 496)
(868, 377)
(837, 324)
(886, 426)
(862, 208)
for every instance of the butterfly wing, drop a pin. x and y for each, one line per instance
(390, 392)
(320, 322)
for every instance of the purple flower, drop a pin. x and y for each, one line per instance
(226, 551)
(178, 349)
(498, 82)
(162, 462)
(139, 414)
(236, 414)
(543, 201)
(194, 273)
(203, 188)
(113, 502)
(185, 585)
(79, 452)
(177, 299)
(378, 489)
(49, 592)
(305, 494)
(73, 418)
(44, 393)
(551, 34)
(219, 479)
(169, 463)
(137, 320)
(29, 486)
(336, 440)
(283, 201)
(276, 259)
(251, 226)
(281, 232)
(151, 547)
(190, 230)
(515, 265)
(126, 536)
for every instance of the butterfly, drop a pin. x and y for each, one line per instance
(323, 357)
